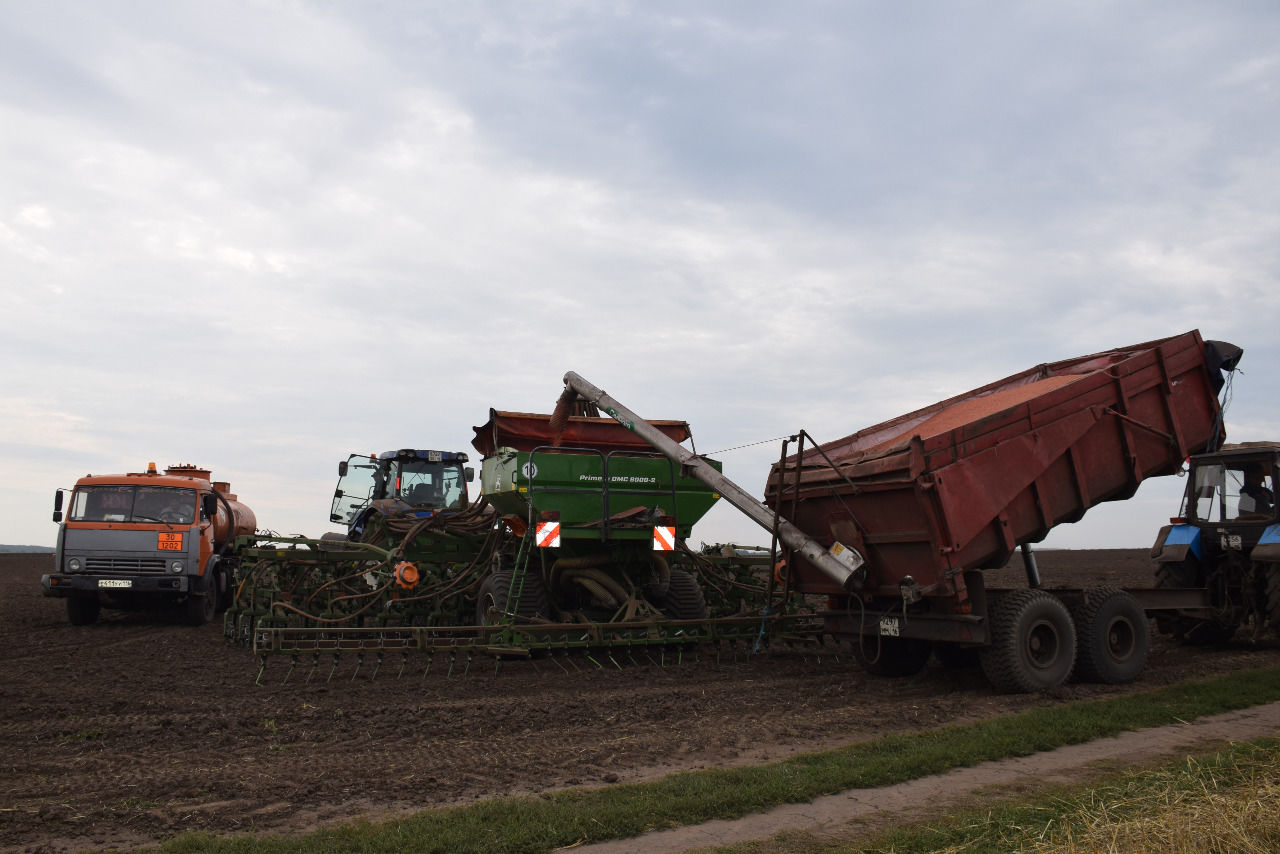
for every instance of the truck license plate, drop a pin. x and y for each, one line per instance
(889, 627)
(114, 582)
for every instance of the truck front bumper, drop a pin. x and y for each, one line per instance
(67, 584)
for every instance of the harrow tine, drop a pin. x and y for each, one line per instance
(359, 664)
(262, 668)
(333, 669)
(558, 664)
(467, 669)
(293, 662)
(614, 661)
(453, 657)
(431, 656)
(404, 660)
(376, 667)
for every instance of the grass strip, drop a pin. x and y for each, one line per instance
(531, 825)
(1223, 802)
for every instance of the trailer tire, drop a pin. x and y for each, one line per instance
(893, 657)
(1113, 637)
(684, 599)
(1033, 642)
(83, 610)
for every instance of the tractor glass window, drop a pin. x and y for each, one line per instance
(1252, 489)
(427, 484)
(355, 489)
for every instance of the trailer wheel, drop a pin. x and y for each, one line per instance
(684, 599)
(892, 657)
(1113, 637)
(83, 610)
(1033, 643)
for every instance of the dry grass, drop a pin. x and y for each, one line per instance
(1223, 804)
(1197, 808)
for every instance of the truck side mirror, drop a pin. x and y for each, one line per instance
(57, 506)
(342, 469)
(209, 505)
(469, 473)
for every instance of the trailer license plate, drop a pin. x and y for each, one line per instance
(114, 582)
(889, 627)
(169, 542)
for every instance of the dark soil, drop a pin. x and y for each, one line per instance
(135, 729)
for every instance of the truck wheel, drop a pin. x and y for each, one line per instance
(892, 657)
(1033, 643)
(83, 610)
(198, 610)
(1113, 637)
(684, 599)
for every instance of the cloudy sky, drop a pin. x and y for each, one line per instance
(259, 236)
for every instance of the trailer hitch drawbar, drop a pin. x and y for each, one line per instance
(839, 563)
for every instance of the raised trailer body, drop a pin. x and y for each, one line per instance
(960, 484)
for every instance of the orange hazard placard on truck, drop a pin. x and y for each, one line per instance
(169, 542)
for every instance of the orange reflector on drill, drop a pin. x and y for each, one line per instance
(664, 538)
(406, 574)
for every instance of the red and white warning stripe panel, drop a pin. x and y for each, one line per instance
(548, 535)
(664, 538)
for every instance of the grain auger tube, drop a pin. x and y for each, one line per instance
(844, 570)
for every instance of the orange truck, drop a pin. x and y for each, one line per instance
(147, 540)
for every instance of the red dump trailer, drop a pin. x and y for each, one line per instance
(931, 498)
(895, 523)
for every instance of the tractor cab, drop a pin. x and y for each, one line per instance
(406, 480)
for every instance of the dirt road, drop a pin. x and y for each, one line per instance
(132, 730)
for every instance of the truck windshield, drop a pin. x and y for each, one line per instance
(1238, 491)
(121, 503)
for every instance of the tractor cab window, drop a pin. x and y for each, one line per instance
(428, 484)
(1237, 491)
(356, 488)
(133, 504)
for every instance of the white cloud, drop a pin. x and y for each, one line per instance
(265, 235)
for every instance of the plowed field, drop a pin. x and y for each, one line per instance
(133, 730)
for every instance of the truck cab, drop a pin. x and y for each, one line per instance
(416, 482)
(146, 539)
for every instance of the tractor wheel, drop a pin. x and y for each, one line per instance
(1273, 595)
(1033, 642)
(83, 610)
(684, 600)
(1113, 637)
(200, 609)
(491, 604)
(892, 657)
(1190, 631)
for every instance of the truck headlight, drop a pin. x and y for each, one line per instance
(73, 565)
(176, 566)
